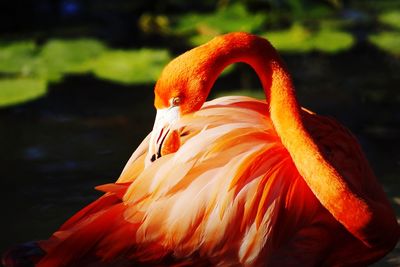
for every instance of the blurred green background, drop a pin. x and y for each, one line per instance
(76, 81)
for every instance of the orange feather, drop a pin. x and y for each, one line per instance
(239, 182)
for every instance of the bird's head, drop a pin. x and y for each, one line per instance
(181, 89)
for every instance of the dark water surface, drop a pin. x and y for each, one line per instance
(56, 149)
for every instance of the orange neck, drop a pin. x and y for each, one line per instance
(353, 210)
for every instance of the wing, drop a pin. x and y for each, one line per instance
(230, 195)
(341, 148)
(215, 201)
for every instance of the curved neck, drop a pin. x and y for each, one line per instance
(283, 107)
(332, 190)
(262, 57)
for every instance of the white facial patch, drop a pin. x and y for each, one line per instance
(166, 116)
(164, 119)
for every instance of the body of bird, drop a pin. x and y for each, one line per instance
(234, 181)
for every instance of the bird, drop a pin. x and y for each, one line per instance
(234, 181)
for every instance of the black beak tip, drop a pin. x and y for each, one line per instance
(153, 158)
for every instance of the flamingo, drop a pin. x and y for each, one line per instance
(231, 182)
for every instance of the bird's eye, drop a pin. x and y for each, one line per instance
(175, 101)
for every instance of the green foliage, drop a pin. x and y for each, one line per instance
(390, 18)
(59, 57)
(50, 62)
(30, 67)
(299, 39)
(15, 91)
(314, 27)
(317, 12)
(296, 7)
(203, 27)
(332, 41)
(388, 41)
(293, 39)
(131, 66)
(373, 5)
(17, 57)
(200, 28)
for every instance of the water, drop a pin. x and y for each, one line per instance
(56, 149)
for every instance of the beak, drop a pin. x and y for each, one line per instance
(163, 140)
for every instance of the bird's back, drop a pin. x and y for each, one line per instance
(229, 196)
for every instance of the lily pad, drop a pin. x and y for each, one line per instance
(68, 56)
(390, 18)
(294, 39)
(18, 57)
(16, 91)
(203, 27)
(131, 66)
(299, 39)
(32, 67)
(388, 41)
(332, 41)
